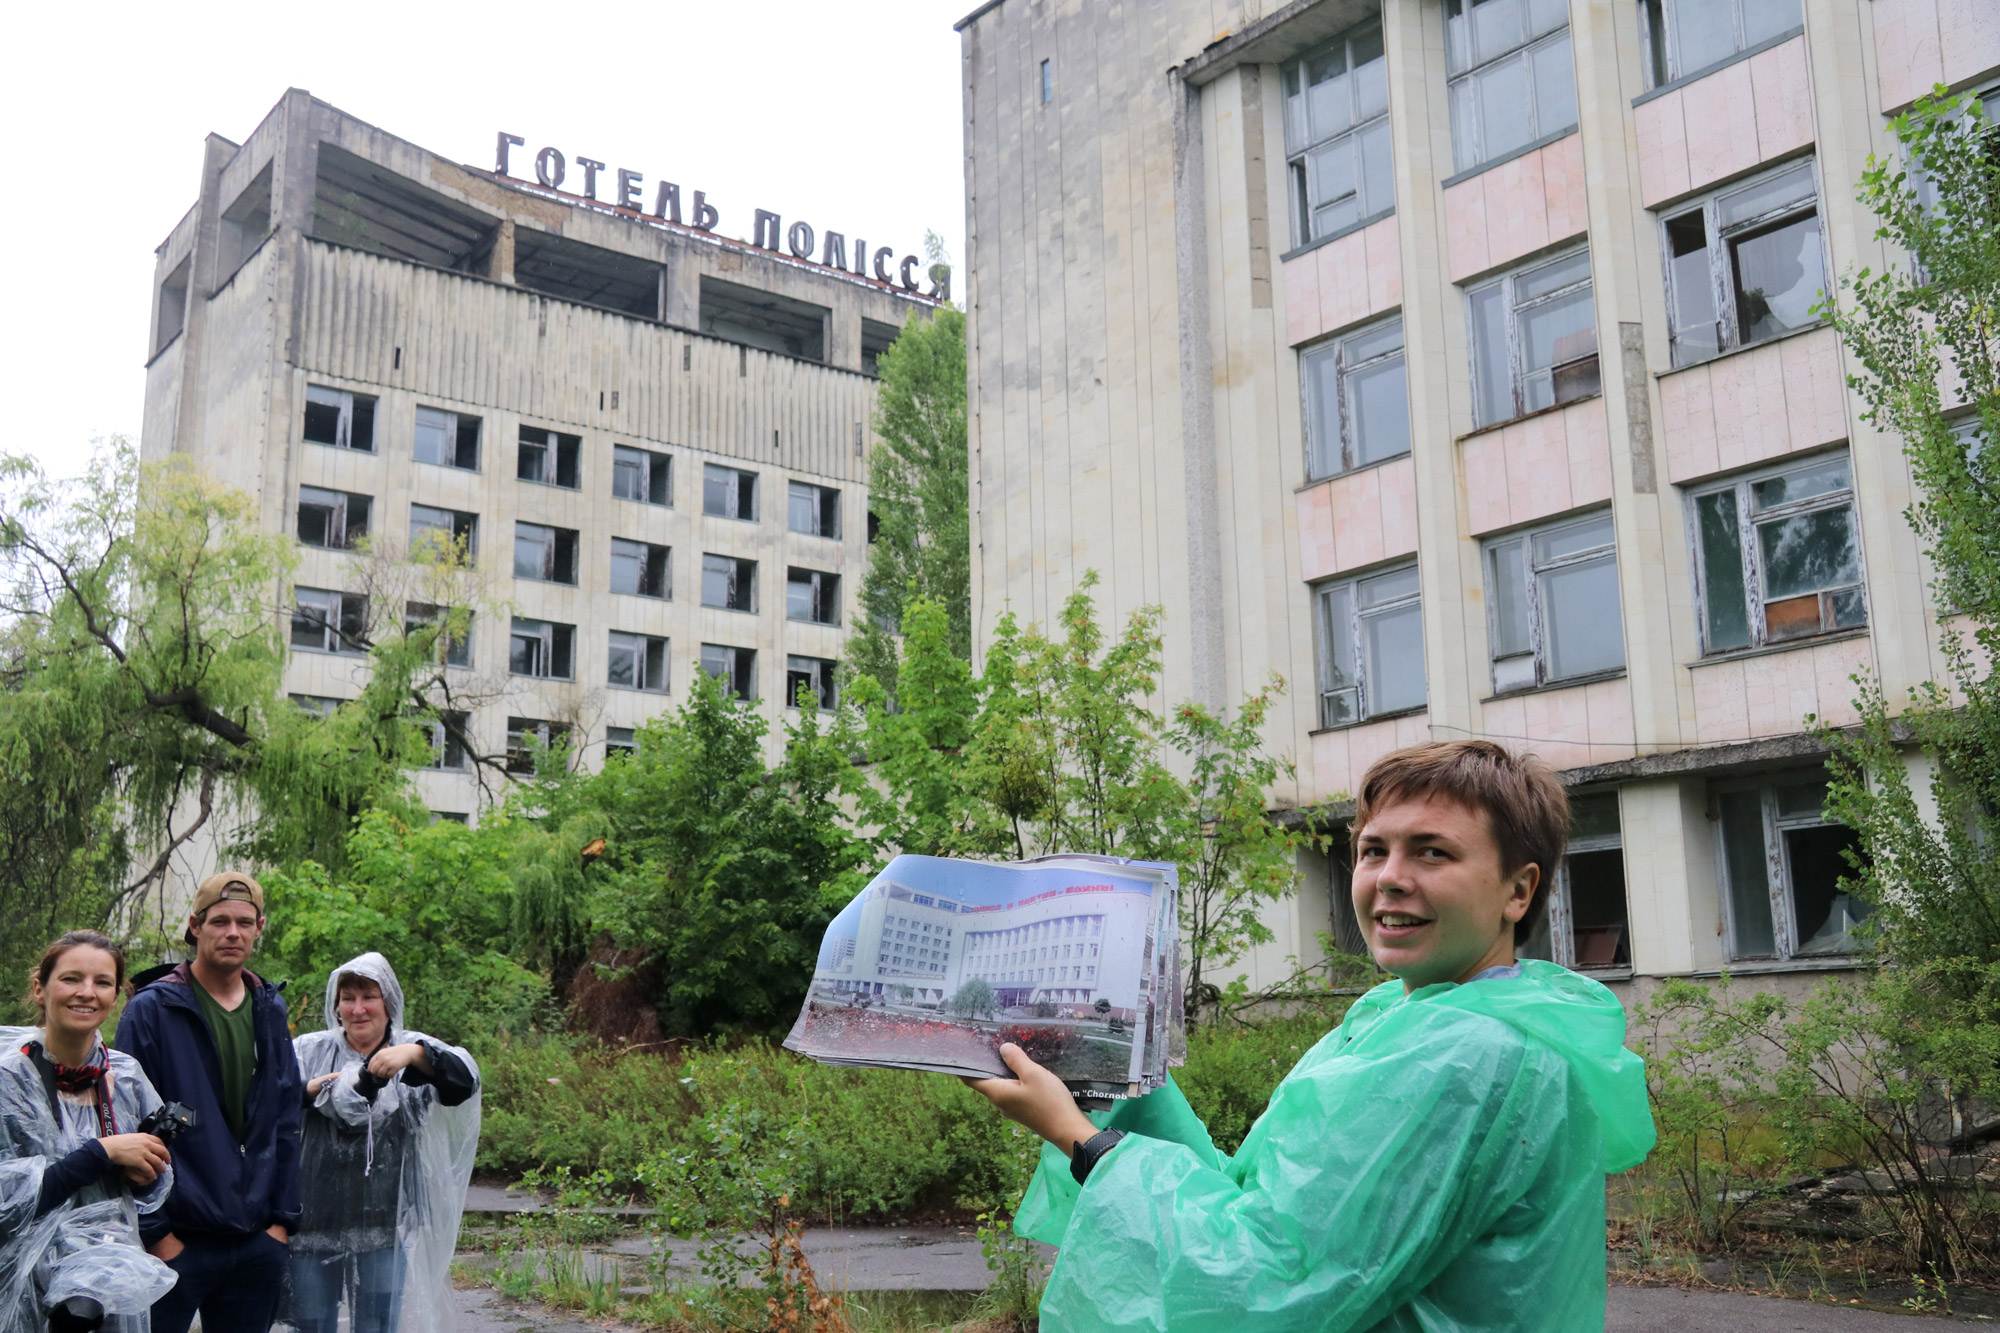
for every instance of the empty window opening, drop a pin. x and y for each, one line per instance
(1778, 556)
(448, 731)
(1357, 408)
(620, 741)
(1744, 265)
(1552, 604)
(337, 520)
(340, 419)
(324, 621)
(638, 662)
(728, 492)
(813, 510)
(640, 568)
(369, 207)
(170, 315)
(245, 224)
(728, 583)
(1783, 861)
(876, 338)
(1534, 339)
(763, 319)
(809, 682)
(548, 458)
(447, 439)
(812, 595)
(736, 668)
(1588, 925)
(528, 738)
(641, 475)
(443, 534)
(453, 627)
(544, 553)
(587, 274)
(1371, 647)
(318, 705)
(1337, 135)
(542, 649)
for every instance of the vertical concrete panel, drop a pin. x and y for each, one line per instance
(1563, 189)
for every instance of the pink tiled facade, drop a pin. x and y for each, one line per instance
(1741, 409)
(1515, 209)
(1359, 519)
(1546, 465)
(1343, 282)
(1769, 695)
(1748, 113)
(1339, 758)
(1920, 43)
(1589, 724)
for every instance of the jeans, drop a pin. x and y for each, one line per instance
(371, 1280)
(233, 1282)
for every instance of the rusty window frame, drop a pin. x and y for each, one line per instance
(1302, 146)
(1535, 647)
(1750, 564)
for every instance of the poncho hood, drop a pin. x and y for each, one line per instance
(375, 968)
(1576, 1017)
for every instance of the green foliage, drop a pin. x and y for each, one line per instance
(1232, 1070)
(974, 999)
(919, 489)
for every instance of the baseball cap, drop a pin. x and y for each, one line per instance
(229, 886)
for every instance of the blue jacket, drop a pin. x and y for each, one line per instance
(220, 1186)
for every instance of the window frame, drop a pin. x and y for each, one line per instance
(1719, 242)
(742, 575)
(1557, 933)
(560, 540)
(620, 741)
(447, 737)
(556, 449)
(1463, 68)
(826, 690)
(462, 523)
(341, 508)
(545, 731)
(552, 637)
(1325, 596)
(1660, 41)
(1782, 891)
(1538, 650)
(349, 408)
(652, 658)
(1750, 553)
(454, 650)
(825, 595)
(1349, 446)
(342, 622)
(656, 475)
(453, 427)
(655, 563)
(740, 677)
(1512, 309)
(1302, 148)
(821, 499)
(740, 476)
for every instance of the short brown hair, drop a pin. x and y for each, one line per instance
(1520, 796)
(78, 939)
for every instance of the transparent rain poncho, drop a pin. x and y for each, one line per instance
(1437, 1162)
(387, 1173)
(89, 1245)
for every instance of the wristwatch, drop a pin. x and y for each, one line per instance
(1084, 1155)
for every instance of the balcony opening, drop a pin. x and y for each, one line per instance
(588, 274)
(764, 319)
(369, 207)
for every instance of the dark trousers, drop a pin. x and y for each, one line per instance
(233, 1282)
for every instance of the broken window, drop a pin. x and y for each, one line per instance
(544, 553)
(813, 510)
(341, 419)
(548, 457)
(170, 314)
(736, 668)
(530, 737)
(638, 662)
(1745, 264)
(245, 224)
(641, 475)
(1337, 135)
(1512, 80)
(639, 568)
(809, 680)
(1534, 338)
(448, 739)
(1782, 864)
(1685, 37)
(812, 595)
(1778, 556)
(729, 583)
(454, 641)
(1588, 924)
(620, 741)
(1357, 409)
(324, 621)
(1371, 647)
(876, 338)
(436, 533)
(337, 520)
(542, 649)
(1552, 604)
(763, 319)
(447, 439)
(728, 492)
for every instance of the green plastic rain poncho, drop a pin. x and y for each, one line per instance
(1437, 1162)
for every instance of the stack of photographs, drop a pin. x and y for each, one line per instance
(938, 962)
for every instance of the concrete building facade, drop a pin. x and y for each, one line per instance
(651, 438)
(1456, 360)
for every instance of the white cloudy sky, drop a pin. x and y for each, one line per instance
(846, 115)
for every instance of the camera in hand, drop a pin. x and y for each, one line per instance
(167, 1122)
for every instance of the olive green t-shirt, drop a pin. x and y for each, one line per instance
(235, 1050)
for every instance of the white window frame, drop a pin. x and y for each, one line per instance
(649, 655)
(1659, 36)
(343, 402)
(1342, 649)
(626, 550)
(1365, 132)
(1781, 900)
(741, 577)
(816, 674)
(1519, 638)
(653, 472)
(1572, 374)
(819, 500)
(1715, 284)
(1750, 559)
(546, 635)
(343, 528)
(342, 618)
(1345, 361)
(1468, 67)
(733, 479)
(739, 668)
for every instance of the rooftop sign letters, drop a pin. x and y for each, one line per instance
(628, 195)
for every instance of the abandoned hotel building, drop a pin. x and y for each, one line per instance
(1457, 360)
(650, 439)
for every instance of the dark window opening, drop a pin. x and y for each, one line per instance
(245, 223)
(548, 458)
(728, 583)
(874, 526)
(736, 668)
(172, 311)
(813, 510)
(336, 520)
(728, 492)
(528, 736)
(436, 533)
(809, 680)
(639, 568)
(875, 340)
(542, 649)
(813, 596)
(340, 419)
(544, 553)
(763, 319)
(641, 475)
(448, 740)
(454, 642)
(447, 439)
(638, 662)
(620, 741)
(324, 621)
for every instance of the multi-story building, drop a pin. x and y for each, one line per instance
(1458, 360)
(651, 439)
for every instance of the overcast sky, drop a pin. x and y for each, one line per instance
(844, 115)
